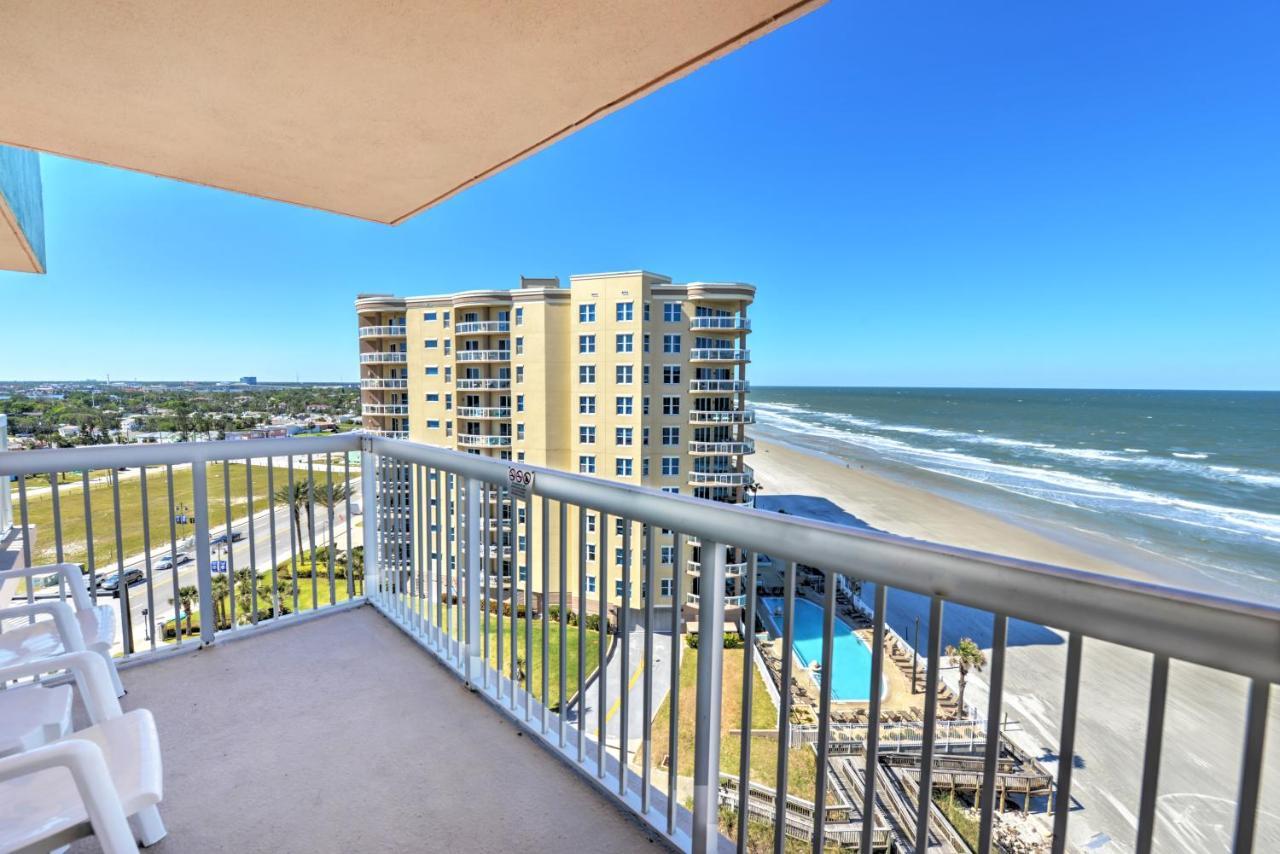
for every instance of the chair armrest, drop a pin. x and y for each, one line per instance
(63, 617)
(92, 778)
(70, 573)
(91, 676)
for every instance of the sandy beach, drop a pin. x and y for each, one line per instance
(1204, 717)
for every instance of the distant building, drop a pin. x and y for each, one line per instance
(275, 432)
(68, 431)
(248, 380)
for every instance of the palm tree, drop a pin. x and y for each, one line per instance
(187, 595)
(220, 587)
(295, 496)
(966, 656)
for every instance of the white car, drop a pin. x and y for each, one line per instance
(170, 561)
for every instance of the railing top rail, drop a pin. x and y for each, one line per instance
(1216, 631)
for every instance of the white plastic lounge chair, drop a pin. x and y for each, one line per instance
(33, 715)
(86, 626)
(89, 781)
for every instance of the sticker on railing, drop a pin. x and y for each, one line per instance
(520, 481)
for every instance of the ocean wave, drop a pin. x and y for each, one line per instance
(1184, 456)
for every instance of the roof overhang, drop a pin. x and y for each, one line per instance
(373, 109)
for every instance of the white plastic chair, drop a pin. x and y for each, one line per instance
(86, 626)
(88, 782)
(34, 714)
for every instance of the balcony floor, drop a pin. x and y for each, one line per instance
(341, 734)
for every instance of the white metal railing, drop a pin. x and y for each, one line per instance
(428, 579)
(484, 412)
(382, 331)
(483, 327)
(733, 324)
(721, 478)
(722, 416)
(483, 355)
(383, 358)
(391, 434)
(731, 570)
(495, 384)
(469, 440)
(719, 354)
(383, 383)
(745, 446)
(719, 386)
(384, 409)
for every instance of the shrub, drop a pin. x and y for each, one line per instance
(553, 613)
(732, 640)
(593, 622)
(691, 640)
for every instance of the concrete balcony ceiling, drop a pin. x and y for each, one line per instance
(377, 111)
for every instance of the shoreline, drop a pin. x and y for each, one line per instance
(1205, 713)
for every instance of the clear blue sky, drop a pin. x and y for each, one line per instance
(1082, 195)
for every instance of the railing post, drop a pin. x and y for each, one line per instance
(706, 745)
(472, 537)
(369, 520)
(204, 575)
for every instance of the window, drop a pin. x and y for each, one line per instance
(645, 440)
(586, 343)
(586, 435)
(591, 584)
(617, 585)
(520, 402)
(433, 398)
(671, 490)
(587, 464)
(625, 342)
(623, 406)
(646, 404)
(448, 401)
(432, 371)
(646, 312)
(519, 345)
(519, 317)
(428, 315)
(448, 373)
(623, 374)
(587, 313)
(619, 526)
(671, 375)
(448, 428)
(644, 466)
(520, 456)
(671, 435)
(433, 425)
(591, 523)
(671, 343)
(520, 431)
(622, 436)
(667, 554)
(671, 312)
(591, 551)
(671, 404)
(520, 515)
(586, 373)
(447, 346)
(446, 319)
(622, 467)
(519, 373)
(524, 570)
(670, 466)
(587, 404)
(646, 374)
(646, 342)
(665, 586)
(625, 311)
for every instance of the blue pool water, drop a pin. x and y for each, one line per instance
(851, 659)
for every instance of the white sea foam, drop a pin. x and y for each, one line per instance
(1190, 456)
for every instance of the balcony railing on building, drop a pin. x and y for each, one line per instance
(483, 327)
(719, 354)
(719, 386)
(383, 358)
(745, 446)
(484, 384)
(382, 332)
(722, 416)
(732, 324)
(383, 384)
(384, 409)
(484, 355)
(484, 412)
(470, 440)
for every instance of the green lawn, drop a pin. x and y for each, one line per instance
(40, 510)
(802, 765)
(961, 819)
(264, 603)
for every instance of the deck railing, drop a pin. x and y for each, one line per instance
(426, 540)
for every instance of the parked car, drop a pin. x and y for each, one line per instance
(110, 583)
(169, 561)
(236, 536)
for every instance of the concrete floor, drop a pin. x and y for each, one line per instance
(340, 734)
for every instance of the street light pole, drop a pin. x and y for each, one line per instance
(915, 655)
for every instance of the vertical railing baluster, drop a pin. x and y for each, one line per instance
(602, 647)
(473, 651)
(490, 523)
(271, 530)
(122, 589)
(295, 530)
(748, 671)
(418, 546)
(875, 691)
(646, 734)
(460, 538)
(925, 793)
(173, 551)
(624, 673)
(368, 520)
(204, 575)
(90, 565)
(824, 707)
(311, 529)
(545, 508)
(563, 622)
(673, 725)
(706, 752)
(784, 712)
(251, 578)
(432, 566)
(1067, 742)
(149, 626)
(528, 604)
(1151, 753)
(230, 540)
(24, 511)
(990, 762)
(582, 632)
(57, 532)
(329, 503)
(1255, 729)
(351, 555)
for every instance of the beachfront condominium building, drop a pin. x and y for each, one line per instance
(626, 376)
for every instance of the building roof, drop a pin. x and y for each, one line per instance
(373, 110)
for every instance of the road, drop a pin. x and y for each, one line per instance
(661, 673)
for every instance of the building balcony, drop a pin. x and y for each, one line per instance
(719, 386)
(722, 416)
(467, 440)
(483, 327)
(383, 384)
(383, 358)
(497, 384)
(745, 446)
(483, 355)
(385, 409)
(731, 570)
(391, 434)
(376, 655)
(482, 413)
(719, 354)
(720, 324)
(722, 478)
(382, 331)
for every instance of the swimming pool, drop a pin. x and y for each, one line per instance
(851, 658)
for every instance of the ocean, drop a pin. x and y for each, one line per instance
(1188, 478)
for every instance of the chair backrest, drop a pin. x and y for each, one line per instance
(70, 574)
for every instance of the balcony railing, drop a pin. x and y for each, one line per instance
(383, 358)
(728, 416)
(391, 434)
(719, 386)
(383, 384)
(746, 446)
(731, 570)
(483, 327)
(484, 412)
(382, 331)
(385, 409)
(484, 355)
(496, 384)
(429, 580)
(719, 354)
(468, 440)
(719, 478)
(731, 324)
